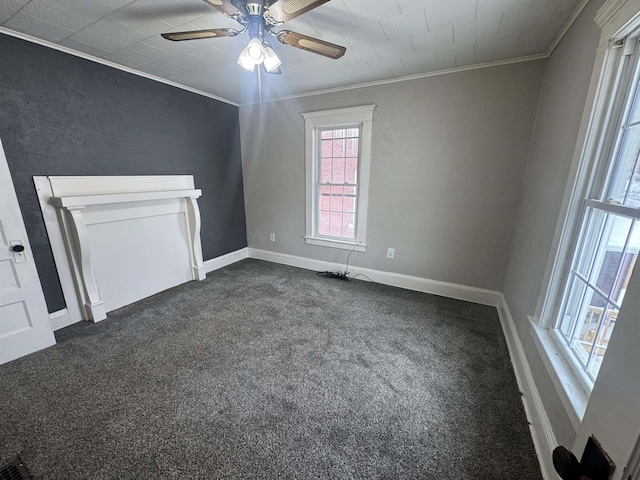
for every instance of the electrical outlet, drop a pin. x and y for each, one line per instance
(272, 237)
(391, 252)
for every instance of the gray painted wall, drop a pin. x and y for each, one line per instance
(564, 91)
(62, 115)
(448, 160)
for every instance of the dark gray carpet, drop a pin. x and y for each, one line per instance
(267, 371)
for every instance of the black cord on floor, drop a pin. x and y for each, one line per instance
(340, 275)
(365, 276)
(336, 275)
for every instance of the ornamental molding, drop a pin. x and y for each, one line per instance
(607, 11)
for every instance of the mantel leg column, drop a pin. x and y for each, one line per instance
(193, 217)
(94, 306)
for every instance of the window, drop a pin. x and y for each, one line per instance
(338, 152)
(608, 237)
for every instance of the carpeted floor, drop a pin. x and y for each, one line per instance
(268, 371)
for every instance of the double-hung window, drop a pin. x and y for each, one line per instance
(338, 152)
(607, 237)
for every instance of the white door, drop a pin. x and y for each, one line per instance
(24, 321)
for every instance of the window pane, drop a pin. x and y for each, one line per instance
(624, 185)
(607, 258)
(327, 149)
(587, 325)
(628, 262)
(336, 224)
(325, 202)
(591, 238)
(348, 226)
(326, 134)
(633, 190)
(325, 170)
(597, 339)
(589, 315)
(338, 147)
(349, 204)
(351, 169)
(336, 203)
(324, 221)
(634, 115)
(352, 147)
(338, 171)
(573, 300)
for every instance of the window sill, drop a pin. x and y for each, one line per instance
(326, 242)
(571, 388)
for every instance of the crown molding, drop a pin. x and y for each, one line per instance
(102, 61)
(607, 11)
(437, 73)
(541, 56)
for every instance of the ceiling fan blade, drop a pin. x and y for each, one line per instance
(225, 6)
(199, 34)
(285, 10)
(311, 44)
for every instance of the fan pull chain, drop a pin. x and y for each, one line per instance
(260, 100)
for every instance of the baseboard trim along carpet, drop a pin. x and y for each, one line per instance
(542, 434)
(425, 285)
(60, 319)
(224, 260)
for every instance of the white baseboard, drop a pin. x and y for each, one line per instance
(224, 260)
(451, 290)
(542, 434)
(60, 319)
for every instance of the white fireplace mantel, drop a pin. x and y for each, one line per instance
(79, 201)
(121, 239)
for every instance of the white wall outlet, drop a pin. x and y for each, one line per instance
(272, 237)
(391, 252)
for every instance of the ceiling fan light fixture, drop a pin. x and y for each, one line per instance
(255, 50)
(271, 59)
(245, 61)
(259, 17)
(252, 55)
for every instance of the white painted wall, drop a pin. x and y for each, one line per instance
(564, 92)
(448, 160)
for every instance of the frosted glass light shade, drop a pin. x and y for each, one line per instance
(271, 59)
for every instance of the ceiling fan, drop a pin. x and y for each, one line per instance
(258, 18)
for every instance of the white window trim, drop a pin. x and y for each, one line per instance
(617, 19)
(570, 382)
(362, 116)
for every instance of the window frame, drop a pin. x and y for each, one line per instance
(589, 174)
(315, 122)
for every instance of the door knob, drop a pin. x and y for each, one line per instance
(17, 248)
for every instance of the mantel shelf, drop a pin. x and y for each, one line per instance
(88, 200)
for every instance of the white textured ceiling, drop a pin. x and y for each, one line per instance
(385, 39)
